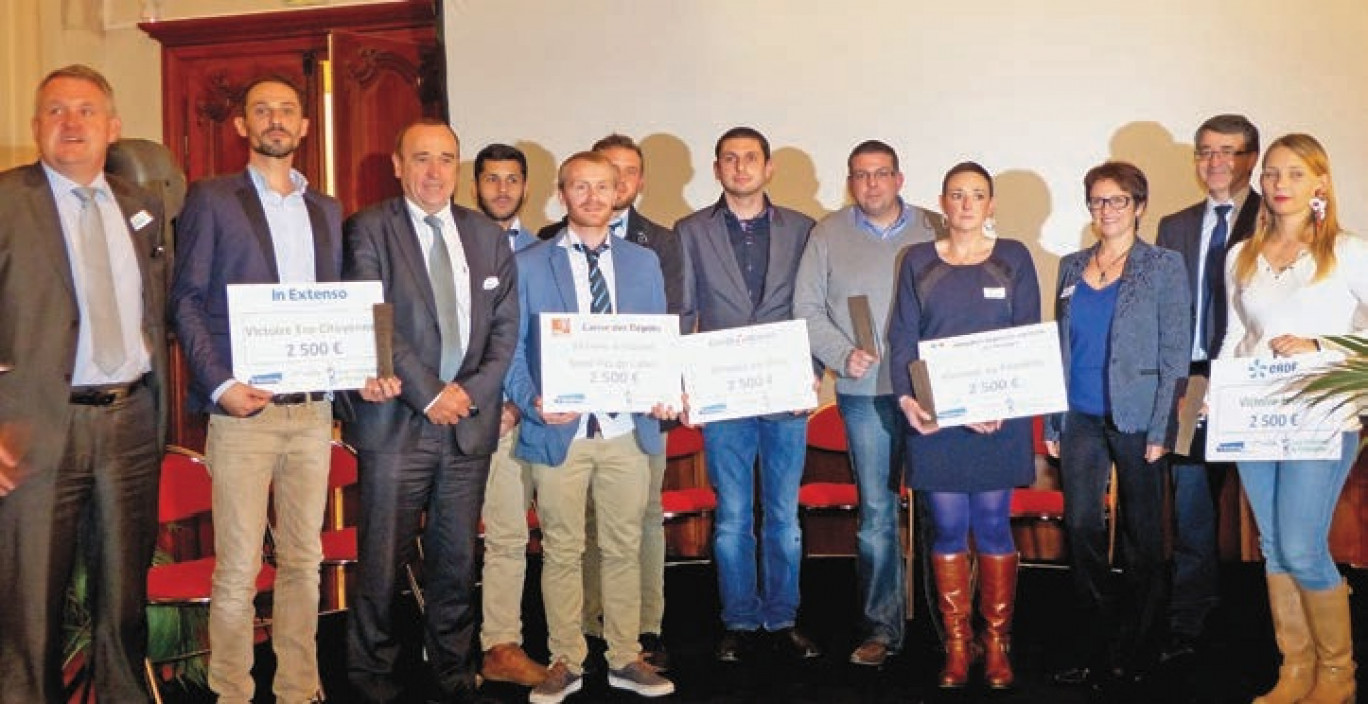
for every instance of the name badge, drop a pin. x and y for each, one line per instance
(490, 283)
(140, 220)
(1067, 292)
(995, 292)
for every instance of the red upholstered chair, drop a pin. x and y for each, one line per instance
(1041, 508)
(183, 511)
(339, 531)
(681, 505)
(827, 460)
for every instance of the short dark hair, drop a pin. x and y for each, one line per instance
(967, 167)
(1126, 175)
(873, 146)
(742, 133)
(427, 121)
(500, 152)
(280, 78)
(80, 72)
(1231, 124)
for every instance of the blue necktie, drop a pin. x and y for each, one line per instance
(598, 303)
(1213, 277)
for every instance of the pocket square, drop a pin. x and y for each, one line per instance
(491, 283)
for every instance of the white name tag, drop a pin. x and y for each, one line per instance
(490, 283)
(140, 220)
(995, 292)
(1067, 292)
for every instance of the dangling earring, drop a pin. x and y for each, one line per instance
(990, 227)
(1318, 207)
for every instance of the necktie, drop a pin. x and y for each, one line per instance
(618, 227)
(598, 303)
(512, 238)
(1213, 277)
(102, 308)
(444, 295)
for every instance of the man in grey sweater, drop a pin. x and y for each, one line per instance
(856, 252)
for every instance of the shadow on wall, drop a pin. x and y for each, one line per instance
(1168, 166)
(669, 169)
(541, 206)
(795, 182)
(1023, 206)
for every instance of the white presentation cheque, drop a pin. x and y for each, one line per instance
(749, 371)
(608, 363)
(996, 375)
(288, 338)
(1254, 413)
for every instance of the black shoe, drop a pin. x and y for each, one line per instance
(596, 661)
(792, 642)
(653, 651)
(735, 645)
(1178, 648)
(1074, 676)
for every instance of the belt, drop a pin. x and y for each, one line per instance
(299, 398)
(104, 394)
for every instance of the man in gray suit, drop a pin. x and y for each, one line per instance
(449, 274)
(742, 256)
(83, 281)
(1227, 148)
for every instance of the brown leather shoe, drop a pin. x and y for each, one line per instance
(871, 653)
(506, 662)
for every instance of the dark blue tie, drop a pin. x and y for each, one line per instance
(598, 303)
(1213, 277)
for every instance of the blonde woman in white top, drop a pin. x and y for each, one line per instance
(1297, 279)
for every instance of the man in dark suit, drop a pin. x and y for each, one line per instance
(262, 225)
(449, 274)
(585, 270)
(83, 281)
(743, 254)
(1227, 148)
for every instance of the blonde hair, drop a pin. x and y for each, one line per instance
(1323, 234)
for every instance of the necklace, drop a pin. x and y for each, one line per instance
(1103, 269)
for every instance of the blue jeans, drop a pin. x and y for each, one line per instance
(1293, 503)
(1195, 560)
(731, 447)
(874, 433)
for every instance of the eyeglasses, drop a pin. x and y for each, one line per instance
(872, 176)
(1120, 202)
(1225, 154)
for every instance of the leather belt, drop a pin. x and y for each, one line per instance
(298, 398)
(105, 394)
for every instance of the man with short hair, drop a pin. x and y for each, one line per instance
(743, 253)
(264, 225)
(626, 223)
(585, 270)
(449, 274)
(1227, 149)
(82, 280)
(500, 189)
(856, 251)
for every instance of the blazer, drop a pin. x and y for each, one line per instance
(222, 238)
(1182, 232)
(379, 244)
(524, 239)
(546, 285)
(713, 281)
(1150, 342)
(41, 319)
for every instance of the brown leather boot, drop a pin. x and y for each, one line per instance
(956, 603)
(997, 602)
(1297, 673)
(506, 662)
(1327, 610)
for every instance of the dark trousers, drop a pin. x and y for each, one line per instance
(101, 498)
(396, 489)
(1125, 631)
(1196, 486)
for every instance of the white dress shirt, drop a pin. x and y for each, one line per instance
(620, 423)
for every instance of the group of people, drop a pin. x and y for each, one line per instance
(458, 435)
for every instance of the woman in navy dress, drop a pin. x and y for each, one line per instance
(968, 282)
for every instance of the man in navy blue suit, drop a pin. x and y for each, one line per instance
(263, 225)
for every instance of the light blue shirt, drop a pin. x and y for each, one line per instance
(291, 231)
(882, 233)
(123, 262)
(1208, 227)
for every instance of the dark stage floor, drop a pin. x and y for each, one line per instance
(1236, 663)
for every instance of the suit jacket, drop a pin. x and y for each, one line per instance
(668, 250)
(547, 285)
(41, 319)
(713, 280)
(524, 239)
(1182, 232)
(1150, 341)
(380, 244)
(222, 238)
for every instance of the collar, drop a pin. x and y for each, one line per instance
(862, 221)
(297, 181)
(1237, 201)
(419, 215)
(62, 185)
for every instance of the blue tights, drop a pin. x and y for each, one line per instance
(985, 513)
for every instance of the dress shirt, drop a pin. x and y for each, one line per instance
(291, 230)
(618, 423)
(617, 227)
(750, 241)
(514, 228)
(460, 268)
(123, 262)
(1209, 226)
(864, 224)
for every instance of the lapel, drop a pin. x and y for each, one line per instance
(146, 243)
(325, 269)
(1071, 277)
(1247, 220)
(719, 239)
(558, 257)
(51, 244)
(778, 246)
(256, 215)
(1192, 241)
(405, 240)
(636, 229)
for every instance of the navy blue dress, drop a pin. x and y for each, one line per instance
(934, 300)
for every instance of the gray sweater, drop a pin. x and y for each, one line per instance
(842, 260)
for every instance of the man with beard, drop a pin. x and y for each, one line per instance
(264, 225)
(500, 190)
